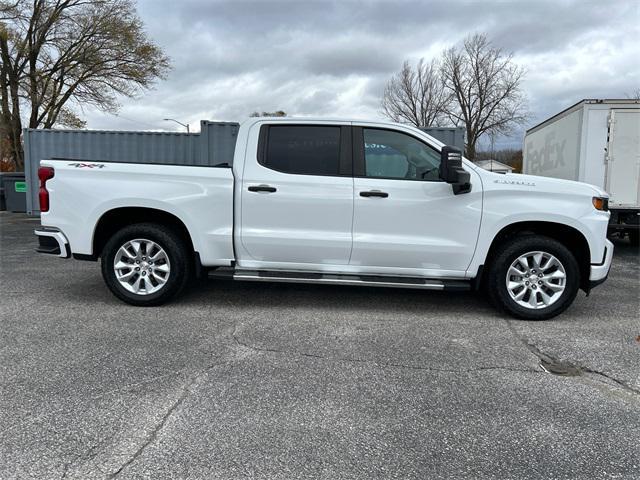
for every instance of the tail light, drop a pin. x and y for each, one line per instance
(44, 174)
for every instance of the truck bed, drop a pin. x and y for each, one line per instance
(82, 192)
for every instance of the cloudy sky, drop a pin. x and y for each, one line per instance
(334, 58)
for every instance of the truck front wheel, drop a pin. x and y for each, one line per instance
(533, 277)
(145, 264)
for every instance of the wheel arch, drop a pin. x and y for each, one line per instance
(569, 236)
(113, 220)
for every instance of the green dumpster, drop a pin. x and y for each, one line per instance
(15, 192)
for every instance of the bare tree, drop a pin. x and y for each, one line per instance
(417, 95)
(55, 54)
(486, 85)
(635, 95)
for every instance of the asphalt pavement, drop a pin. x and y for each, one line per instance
(276, 381)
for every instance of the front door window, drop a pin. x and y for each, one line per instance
(394, 155)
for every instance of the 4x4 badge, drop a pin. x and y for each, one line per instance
(87, 165)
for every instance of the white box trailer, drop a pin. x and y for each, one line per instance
(596, 142)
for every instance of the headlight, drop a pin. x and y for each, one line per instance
(601, 203)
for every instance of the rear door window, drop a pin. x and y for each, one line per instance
(302, 149)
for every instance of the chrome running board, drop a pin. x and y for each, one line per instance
(337, 279)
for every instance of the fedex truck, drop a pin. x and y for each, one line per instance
(596, 142)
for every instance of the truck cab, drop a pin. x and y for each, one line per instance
(332, 201)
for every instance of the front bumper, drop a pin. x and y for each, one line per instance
(599, 272)
(52, 242)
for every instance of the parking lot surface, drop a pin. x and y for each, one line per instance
(243, 380)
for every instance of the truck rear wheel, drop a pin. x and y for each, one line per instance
(145, 264)
(533, 277)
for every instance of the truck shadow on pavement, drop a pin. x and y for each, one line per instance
(328, 297)
(249, 295)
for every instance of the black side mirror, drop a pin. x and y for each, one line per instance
(451, 170)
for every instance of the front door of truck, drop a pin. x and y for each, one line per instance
(297, 198)
(406, 220)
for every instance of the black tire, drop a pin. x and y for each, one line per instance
(176, 250)
(508, 252)
(634, 238)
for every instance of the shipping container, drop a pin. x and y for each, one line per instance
(214, 144)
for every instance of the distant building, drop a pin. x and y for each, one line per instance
(494, 166)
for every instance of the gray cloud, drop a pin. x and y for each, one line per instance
(334, 58)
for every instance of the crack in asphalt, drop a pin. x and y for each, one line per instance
(549, 359)
(617, 381)
(188, 386)
(245, 345)
(186, 390)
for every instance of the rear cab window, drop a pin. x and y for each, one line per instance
(303, 149)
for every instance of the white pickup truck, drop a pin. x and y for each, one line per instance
(333, 202)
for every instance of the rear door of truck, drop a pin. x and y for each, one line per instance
(297, 196)
(623, 158)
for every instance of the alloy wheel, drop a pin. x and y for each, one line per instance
(142, 266)
(536, 280)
